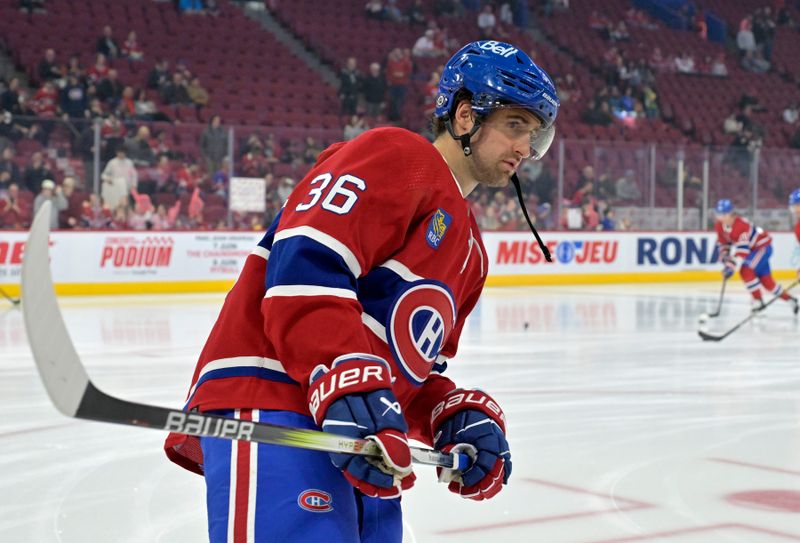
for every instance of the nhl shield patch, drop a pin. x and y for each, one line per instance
(437, 228)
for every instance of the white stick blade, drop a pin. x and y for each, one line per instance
(59, 366)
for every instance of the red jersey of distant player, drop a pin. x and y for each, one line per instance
(333, 277)
(741, 239)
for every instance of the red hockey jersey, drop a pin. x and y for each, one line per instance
(741, 239)
(375, 252)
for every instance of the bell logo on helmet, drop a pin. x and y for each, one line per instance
(504, 50)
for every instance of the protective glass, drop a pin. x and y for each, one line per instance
(539, 138)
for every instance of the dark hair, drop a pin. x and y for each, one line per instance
(437, 123)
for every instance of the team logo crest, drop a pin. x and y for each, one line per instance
(315, 501)
(437, 228)
(420, 322)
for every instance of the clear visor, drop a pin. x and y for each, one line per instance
(541, 140)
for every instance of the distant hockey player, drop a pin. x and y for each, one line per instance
(747, 247)
(794, 207)
(347, 311)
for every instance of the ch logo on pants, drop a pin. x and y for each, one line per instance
(315, 501)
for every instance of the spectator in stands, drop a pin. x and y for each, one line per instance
(448, 8)
(591, 219)
(109, 89)
(197, 94)
(144, 108)
(94, 215)
(430, 93)
(763, 26)
(126, 107)
(17, 212)
(48, 69)
(285, 188)
(74, 102)
(36, 172)
(745, 40)
(355, 127)
(311, 150)
(9, 100)
(424, 46)
(608, 222)
(106, 44)
(374, 10)
(718, 67)
(140, 218)
(754, 62)
(159, 76)
(626, 187)
(374, 88)
(795, 141)
(32, 6)
(487, 22)
(791, 113)
(416, 13)
(214, 144)
(119, 177)
(138, 149)
(9, 165)
(99, 69)
(684, 63)
(349, 86)
(175, 92)
(50, 192)
(69, 218)
(75, 68)
(131, 49)
(597, 113)
(398, 77)
(45, 103)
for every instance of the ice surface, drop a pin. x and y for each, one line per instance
(623, 425)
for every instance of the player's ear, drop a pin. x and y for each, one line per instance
(463, 117)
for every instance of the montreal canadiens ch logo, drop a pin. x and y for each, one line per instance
(419, 324)
(315, 501)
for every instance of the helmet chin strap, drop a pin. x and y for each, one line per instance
(467, 148)
(463, 138)
(542, 246)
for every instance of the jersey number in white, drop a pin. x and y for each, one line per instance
(339, 199)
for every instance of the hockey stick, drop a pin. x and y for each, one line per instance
(73, 393)
(4, 294)
(721, 296)
(710, 337)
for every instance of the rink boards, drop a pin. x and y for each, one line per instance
(86, 263)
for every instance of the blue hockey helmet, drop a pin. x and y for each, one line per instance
(498, 75)
(724, 207)
(794, 198)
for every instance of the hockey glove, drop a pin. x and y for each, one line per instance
(354, 398)
(471, 422)
(729, 267)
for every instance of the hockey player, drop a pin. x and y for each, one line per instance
(347, 311)
(747, 247)
(794, 207)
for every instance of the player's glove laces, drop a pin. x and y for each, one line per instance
(354, 398)
(471, 422)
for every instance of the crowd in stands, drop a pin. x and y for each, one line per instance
(148, 182)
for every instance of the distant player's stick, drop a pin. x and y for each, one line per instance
(711, 337)
(4, 294)
(721, 296)
(71, 391)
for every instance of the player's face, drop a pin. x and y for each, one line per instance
(796, 210)
(501, 144)
(725, 218)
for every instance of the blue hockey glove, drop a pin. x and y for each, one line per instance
(729, 267)
(354, 398)
(471, 422)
